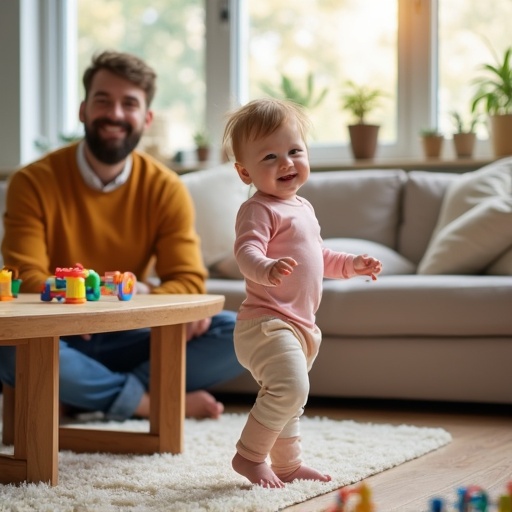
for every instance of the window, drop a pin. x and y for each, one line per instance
(335, 42)
(470, 33)
(424, 53)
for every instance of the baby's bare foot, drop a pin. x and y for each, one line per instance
(200, 404)
(305, 473)
(256, 472)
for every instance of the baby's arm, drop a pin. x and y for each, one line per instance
(365, 265)
(282, 267)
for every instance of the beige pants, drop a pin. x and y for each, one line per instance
(279, 356)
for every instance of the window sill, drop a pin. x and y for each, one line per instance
(459, 165)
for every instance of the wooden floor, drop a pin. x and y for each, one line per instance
(480, 453)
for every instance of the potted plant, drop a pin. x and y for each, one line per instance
(464, 137)
(202, 142)
(360, 100)
(306, 96)
(432, 141)
(494, 94)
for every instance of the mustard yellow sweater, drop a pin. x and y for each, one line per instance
(53, 219)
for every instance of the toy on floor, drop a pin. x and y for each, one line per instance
(363, 504)
(77, 285)
(471, 498)
(9, 283)
(474, 499)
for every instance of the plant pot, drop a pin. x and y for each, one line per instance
(363, 140)
(203, 153)
(464, 144)
(501, 133)
(432, 145)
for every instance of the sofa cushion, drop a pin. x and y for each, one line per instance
(475, 222)
(217, 194)
(422, 199)
(392, 262)
(415, 305)
(404, 306)
(370, 200)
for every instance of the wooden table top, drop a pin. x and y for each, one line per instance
(29, 317)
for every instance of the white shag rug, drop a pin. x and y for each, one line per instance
(201, 479)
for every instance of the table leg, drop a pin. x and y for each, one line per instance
(8, 415)
(167, 386)
(167, 405)
(36, 417)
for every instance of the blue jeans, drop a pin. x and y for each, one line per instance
(110, 373)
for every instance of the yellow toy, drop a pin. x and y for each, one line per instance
(9, 283)
(364, 503)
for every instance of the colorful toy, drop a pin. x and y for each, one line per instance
(364, 503)
(9, 283)
(469, 499)
(77, 285)
(437, 505)
(472, 499)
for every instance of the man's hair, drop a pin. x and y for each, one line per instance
(124, 65)
(260, 118)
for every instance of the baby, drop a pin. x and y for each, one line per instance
(280, 253)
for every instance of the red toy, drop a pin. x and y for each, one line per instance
(77, 285)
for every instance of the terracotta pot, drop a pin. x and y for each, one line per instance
(432, 145)
(464, 144)
(363, 140)
(501, 132)
(203, 153)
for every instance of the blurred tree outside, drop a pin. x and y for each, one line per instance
(170, 36)
(336, 41)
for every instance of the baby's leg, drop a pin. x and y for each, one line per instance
(287, 462)
(252, 448)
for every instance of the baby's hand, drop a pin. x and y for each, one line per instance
(365, 265)
(282, 267)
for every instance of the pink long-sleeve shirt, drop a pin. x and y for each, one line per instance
(268, 228)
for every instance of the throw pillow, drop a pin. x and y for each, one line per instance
(471, 242)
(392, 262)
(473, 225)
(217, 194)
(502, 266)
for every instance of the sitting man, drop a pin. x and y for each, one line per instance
(103, 204)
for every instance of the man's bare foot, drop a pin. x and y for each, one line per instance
(305, 473)
(256, 472)
(200, 405)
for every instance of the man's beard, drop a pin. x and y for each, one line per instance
(110, 151)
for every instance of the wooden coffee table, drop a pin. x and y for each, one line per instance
(31, 420)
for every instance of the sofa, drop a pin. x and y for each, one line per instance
(437, 324)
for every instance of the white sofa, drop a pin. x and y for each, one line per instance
(437, 324)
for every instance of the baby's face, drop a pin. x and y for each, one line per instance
(276, 164)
